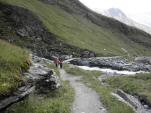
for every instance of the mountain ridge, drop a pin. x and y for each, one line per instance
(122, 17)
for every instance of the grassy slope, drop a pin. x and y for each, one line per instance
(79, 31)
(138, 85)
(12, 60)
(90, 79)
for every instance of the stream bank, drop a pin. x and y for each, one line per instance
(138, 103)
(114, 63)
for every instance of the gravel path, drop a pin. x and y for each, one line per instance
(86, 100)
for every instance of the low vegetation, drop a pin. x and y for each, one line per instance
(90, 79)
(139, 85)
(13, 60)
(56, 101)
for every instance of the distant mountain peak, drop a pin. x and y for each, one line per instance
(116, 12)
(122, 17)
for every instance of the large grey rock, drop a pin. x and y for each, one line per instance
(127, 98)
(44, 78)
(46, 84)
(22, 32)
(146, 60)
(135, 102)
(16, 96)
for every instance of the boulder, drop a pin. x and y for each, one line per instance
(22, 32)
(145, 60)
(46, 84)
(17, 96)
(44, 78)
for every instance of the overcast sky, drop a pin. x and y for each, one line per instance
(128, 6)
(139, 10)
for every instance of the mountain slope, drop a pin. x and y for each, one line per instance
(76, 25)
(119, 15)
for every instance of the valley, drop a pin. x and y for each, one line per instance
(106, 63)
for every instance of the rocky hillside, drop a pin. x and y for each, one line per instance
(68, 27)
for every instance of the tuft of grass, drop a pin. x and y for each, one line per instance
(79, 31)
(13, 60)
(90, 78)
(139, 85)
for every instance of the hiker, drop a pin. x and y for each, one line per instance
(61, 63)
(56, 61)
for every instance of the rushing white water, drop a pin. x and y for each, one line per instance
(110, 71)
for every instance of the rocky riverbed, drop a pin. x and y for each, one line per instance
(115, 63)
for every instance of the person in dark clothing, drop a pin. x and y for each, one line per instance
(61, 63)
